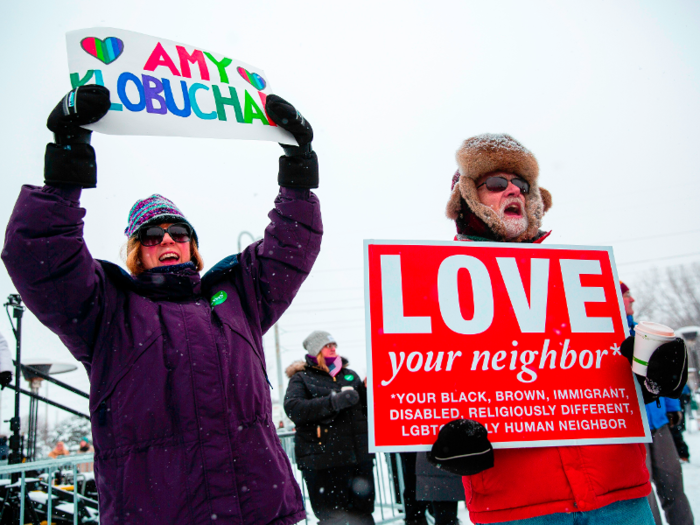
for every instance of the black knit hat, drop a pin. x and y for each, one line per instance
(462, 447)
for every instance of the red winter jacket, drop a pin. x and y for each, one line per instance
(529, 482)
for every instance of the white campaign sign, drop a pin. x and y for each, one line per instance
(160, 87)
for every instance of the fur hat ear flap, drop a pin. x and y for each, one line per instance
(454, 205)
(546, 200)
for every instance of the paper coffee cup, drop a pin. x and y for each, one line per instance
(648, 337)
(347, 388)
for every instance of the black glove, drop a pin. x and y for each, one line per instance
(344, 399)
(5, 379)
(463, 448)
(71, 160)
(299, 164)
(667, 372)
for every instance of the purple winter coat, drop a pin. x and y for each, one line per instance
(179, 397)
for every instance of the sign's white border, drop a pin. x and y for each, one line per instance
(513, 444)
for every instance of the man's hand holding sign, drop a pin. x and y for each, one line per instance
(524, 339)
(475, 346)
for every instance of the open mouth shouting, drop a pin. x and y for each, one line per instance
(513, 210)
(169, 257)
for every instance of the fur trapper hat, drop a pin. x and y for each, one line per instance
(488, 153)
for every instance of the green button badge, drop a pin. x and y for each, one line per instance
(349, 377)
(218, 298)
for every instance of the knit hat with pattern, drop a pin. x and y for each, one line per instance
(154, 209)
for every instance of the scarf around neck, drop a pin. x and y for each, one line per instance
(334, 366)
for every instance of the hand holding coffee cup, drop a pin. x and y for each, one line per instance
(664, 364)
(648, 337)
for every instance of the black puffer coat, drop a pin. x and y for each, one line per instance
(433, 484)
(326, 438)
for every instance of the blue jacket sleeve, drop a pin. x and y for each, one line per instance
(51, 267)
(280, 262)
(672, 405)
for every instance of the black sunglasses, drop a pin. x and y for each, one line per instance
(498, 184)
(154, 235)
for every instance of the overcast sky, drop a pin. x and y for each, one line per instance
(605, 94)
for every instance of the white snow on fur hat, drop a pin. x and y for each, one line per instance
(315, 342)
(492, 152)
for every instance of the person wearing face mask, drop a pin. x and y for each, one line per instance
(328, 403)
(179, 398)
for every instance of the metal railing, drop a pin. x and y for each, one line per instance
(37, 498)
(388, 483)
(49, 491)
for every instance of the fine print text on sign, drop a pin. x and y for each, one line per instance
(522, 338)
(160, 87)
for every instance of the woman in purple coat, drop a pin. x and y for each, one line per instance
(179, 397)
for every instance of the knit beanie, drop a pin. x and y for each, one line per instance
(488, 153)
(154, 209)
(624, 288)
(315, 342)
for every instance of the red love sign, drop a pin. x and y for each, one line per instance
(522, 338)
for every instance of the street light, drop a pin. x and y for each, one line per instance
(14, 301)
(241, 235)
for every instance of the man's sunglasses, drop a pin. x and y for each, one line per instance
(498, 184)
(153, 235)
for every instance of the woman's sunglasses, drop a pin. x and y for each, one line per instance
(153, 235)
(498, 184)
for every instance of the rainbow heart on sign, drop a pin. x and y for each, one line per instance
(253, 79)
(107, 50)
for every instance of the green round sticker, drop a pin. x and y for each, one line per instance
(349, 377)
(218, 298)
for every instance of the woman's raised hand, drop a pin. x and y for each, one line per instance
(81, 106)
(71, 160)
(299, 164)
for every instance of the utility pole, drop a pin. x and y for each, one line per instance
(278, 356)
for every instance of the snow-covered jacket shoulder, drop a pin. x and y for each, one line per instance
(179, 400)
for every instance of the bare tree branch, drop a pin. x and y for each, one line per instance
(670, 296)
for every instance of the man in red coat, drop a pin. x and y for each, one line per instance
(496, 197)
